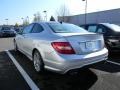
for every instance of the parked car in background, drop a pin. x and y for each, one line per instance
(60, 47)
(7, 32)
(111, 33)
(18, 29)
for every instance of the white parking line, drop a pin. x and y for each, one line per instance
(29, 81)
(114, 62)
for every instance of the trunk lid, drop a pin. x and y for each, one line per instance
(84, 43)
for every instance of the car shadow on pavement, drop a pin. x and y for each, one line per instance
(48, 80)
(115, 56)
(83, 80)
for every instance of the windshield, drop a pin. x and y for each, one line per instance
(115, 27)
(66, 28)
(5, 28)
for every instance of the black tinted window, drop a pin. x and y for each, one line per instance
(83, 26)
(37, 28)
(92, 28)
(66, 28)
(27, 29)
(101, 30)
(114, 27)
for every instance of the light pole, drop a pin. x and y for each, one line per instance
(45, 17)
(28, 19)
(35, 19)
(97, 16)
(6, 21)
(22, 20)
(85, 11)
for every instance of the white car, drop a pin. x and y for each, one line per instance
(60, 47)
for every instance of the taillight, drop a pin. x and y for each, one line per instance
(63, 47)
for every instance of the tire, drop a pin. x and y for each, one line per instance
(38, 62)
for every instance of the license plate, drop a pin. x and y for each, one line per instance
(90, 45)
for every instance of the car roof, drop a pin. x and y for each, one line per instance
(95, 24)
(106, 24)
(45, 22)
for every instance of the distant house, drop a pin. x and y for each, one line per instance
(108, 16)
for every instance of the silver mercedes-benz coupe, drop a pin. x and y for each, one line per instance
(60, 47)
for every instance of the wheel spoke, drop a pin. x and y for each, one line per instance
(37, 62)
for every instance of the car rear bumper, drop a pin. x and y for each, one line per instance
(69, 62)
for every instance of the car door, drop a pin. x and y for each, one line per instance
(31, 37)
(24, 37)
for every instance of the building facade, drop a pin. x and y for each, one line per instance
(108, 16)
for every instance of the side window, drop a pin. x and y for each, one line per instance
(27, 29)
(101, 29)
(92, 28)
(37, 28)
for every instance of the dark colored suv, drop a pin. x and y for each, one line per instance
(111, 33)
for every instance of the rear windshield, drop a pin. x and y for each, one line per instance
(114, 27)
(66, 28)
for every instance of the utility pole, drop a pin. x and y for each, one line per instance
(6, 21)
(45, 17)
(22, 20)
(85, 11)
(27, 19)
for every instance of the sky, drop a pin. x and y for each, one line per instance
(14, 10)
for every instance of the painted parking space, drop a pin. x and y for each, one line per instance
(26, 77)
(10, 78)
(97, 76)
(101, 76)
(53, 81)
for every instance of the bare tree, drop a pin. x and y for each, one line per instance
(25, 22)
(62, 12)
(37, 17)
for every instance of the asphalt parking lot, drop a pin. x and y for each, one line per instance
(101, 76)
